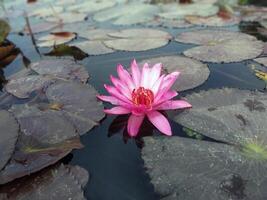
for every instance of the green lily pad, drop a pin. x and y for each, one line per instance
(61, 68)
(22, 87)
(58, 182)
(221, 46)
(212, 20)
(93, 47)
(79, 102)
(55, 38)
(230, 115)
(193, 72)
(182, 168)
(4, 30)
(179, 11)
(46, 137)
(138, 39)
(67, 17)
(91, 6)
(128, 14)
(9, 134)
(66, 50)
(262, 60)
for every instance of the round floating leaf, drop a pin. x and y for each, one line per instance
(253, 13)
(128, 14)
(46, 137)
(46, 11)
(9, 133)
(66, 50)
(56, 38)
(59, 182)
(41, 27)
(175, 24)
(22, 87)
(230, 115)
(193, 72)
(67, 17)
(179, 11)
(211, 37)
(79, 102)
(91, 6)
(182, 168)
(96, 34)
(93, 47)
(212, 20)
(61, 68)
(138, 39)
(221, 46)
(4, 30)
(262, 61)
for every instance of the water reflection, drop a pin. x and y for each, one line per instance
(119, 124)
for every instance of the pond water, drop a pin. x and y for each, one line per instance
(112, 159)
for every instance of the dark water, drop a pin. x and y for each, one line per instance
(116, 168)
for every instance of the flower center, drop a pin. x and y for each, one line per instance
(142, 96)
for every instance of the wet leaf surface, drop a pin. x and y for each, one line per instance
(262, 60)
(91, 6)
(219, 46)
(138, 39)
(9, 134)
(64, 182)
(230, 115)
(93, 47)
(212, 21)
(4, 30)
(79, 102)
(65, 50)
(67, 17)
(193, 72)
(55, 38)
(45, 138)
(22, 87)
(128, 14)
(40, 27)
(61, 68)
(175, 11)
(182, 168)
(8, 53)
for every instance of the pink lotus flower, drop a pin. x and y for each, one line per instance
(143, 94)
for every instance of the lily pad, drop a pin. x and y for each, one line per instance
(67, 17)
(40, 27)
(79, 102)
(221, 46)
(59, 182)
(22, 87)
(4, 30)
(193, 72)
(66, 50)
(46, 11)
(93, 47)
(91, 6)
(182, 168)
(179, 11)
(212, 20)
(262, 61)
(230, 115)
(128, 14)
(61, 68)
(55, 38)
(9, 134)
(96, 34)
(46, 137)
(138, 39)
